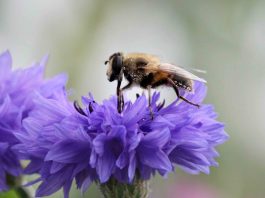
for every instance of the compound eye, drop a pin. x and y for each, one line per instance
(117, 64)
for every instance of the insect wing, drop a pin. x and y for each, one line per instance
(178, 71)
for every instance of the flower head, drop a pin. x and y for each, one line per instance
(97, 143)
(17, 90)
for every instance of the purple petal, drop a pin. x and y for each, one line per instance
(139, 108)
(56, 166)
(132, 166)
(66, 188)
(69, 152)
(99, 144)
(33, 167)
(11, 164)
(87, 182)
(3, 147)
(157, 138)
(54, 182)
(122, 161)
(105, 166)
(154, 158)
(5, 106)
(118, 132)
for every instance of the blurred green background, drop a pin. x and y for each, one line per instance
(226, 38)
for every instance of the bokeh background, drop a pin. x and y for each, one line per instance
(226, 38)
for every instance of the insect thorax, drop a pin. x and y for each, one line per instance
(133, 75)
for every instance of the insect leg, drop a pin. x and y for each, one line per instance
(149, 102)
(122, 100)
(171, 82)
(119, 95)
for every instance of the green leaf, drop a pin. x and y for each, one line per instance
(9, 194)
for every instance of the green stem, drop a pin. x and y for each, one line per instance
(15, 184)
(21, 192)
(114, 189)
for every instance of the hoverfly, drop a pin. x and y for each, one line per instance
(147, 71)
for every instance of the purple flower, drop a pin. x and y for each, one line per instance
(96, 143)
(17, 90)
(131, 143)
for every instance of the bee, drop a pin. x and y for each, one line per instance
(147, 71)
